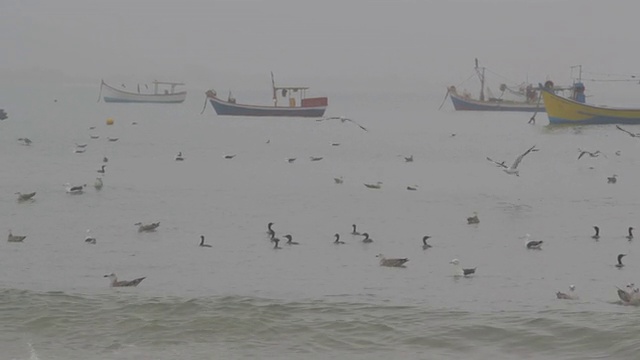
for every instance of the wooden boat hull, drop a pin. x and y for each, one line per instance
(113, 95)
(465, 104)
(222, 107)
(561, 110)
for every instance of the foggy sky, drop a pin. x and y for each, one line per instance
(334, 44)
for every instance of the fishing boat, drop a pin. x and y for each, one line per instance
(294, 95)
(574, 110)
(164, 92)
(524, 97)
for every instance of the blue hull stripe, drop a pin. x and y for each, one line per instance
(474, 105)
(248, 110)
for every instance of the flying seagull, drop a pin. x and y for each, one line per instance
(628, 132)
(343, 119)
(513, 169)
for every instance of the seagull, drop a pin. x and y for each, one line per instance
(612, 179)
(412, 188)
(230, 156)
(179, 156)
(90, 239)
(366, 239)
(620, 265)
(112, 139)
(75, 189)
(315, 158)
(94, 136)
(338, 180)
(202, 244)
(79, 150)
(81, 145)
(24, 197)
(270, 231)
(15, 238)
(459, 271)
(290, 160)
(289, 241)
(338, 241)
(630, 295)
(425, 246)
(354, 232)
(276, 241)
(398, 262)
(592, 154)
(513, 169)
(377, 185)
(25, 141)
(123, 283)
(101, 170)
(98, 184)
(628, 132)
(596, 236)
(147, 227)
(473, 219)
(569, 296)
(630, 236)
(343, 119)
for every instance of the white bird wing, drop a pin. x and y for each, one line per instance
(497, 163)
(519, 158)
(361, 127)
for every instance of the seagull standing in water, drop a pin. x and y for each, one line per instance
(15, 238)
(98, 184)
(343, 120)
(513, 169)
(532, 244)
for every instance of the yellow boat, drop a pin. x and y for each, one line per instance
(562, 110)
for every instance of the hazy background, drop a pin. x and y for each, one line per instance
(332, 46)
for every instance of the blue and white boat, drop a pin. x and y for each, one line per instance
(158, 96)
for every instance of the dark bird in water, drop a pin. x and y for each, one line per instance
(412, 188)
(338, 180)
(289, 240)
(473, 219)
(270, 231)
(105, 159)
(202, 242)
(366, 239)
(291, 160)
(147, 227)
(315, 158)
(630, 236)
(179, 157)
(354, 232)
(377, 185)
(612, 179)
(338, 241)
(276, 241)
(628, 132)
(425, 246)
(533, 244)
(596, 236)
(584, 152)
(343, 120)
(101, 170)
(230, 156)
(408, 158)
(620, 264)
(123, 283)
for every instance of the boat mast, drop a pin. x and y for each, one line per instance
(480, 72)
(273, 87)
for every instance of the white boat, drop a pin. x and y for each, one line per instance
(159, 95)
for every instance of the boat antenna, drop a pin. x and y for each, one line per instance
(480, 72)
(273, 87)
(100, 93)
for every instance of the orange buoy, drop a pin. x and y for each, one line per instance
(109, 121)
